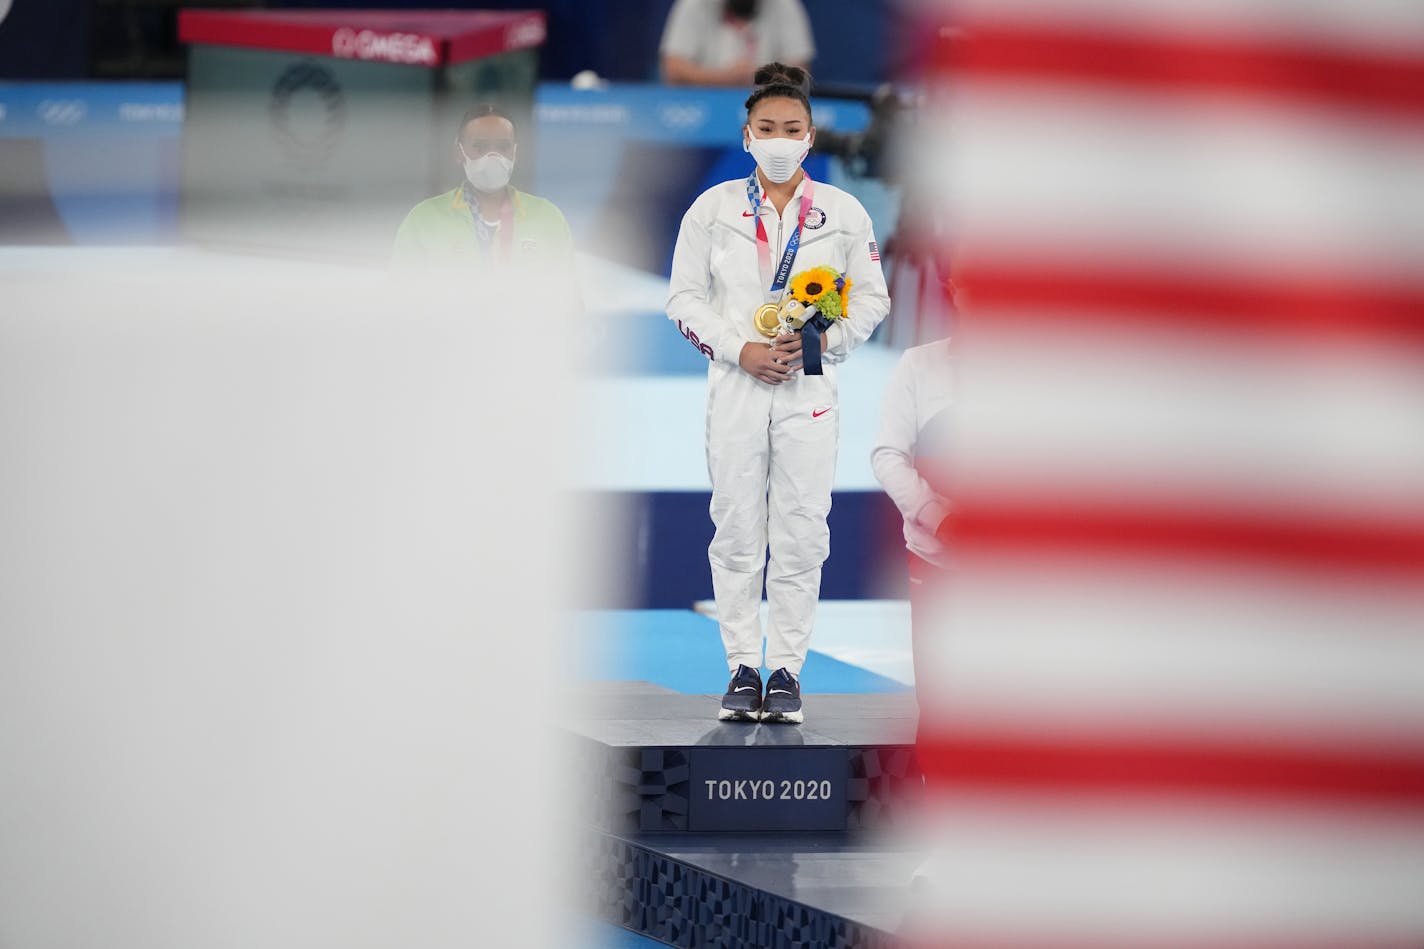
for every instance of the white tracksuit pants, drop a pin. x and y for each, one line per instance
(771, 454)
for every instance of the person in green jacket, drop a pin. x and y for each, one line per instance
(486, 222)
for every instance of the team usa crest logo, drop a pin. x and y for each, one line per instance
(815, 218)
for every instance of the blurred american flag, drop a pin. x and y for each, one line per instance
(1178, 695)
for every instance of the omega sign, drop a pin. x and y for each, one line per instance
(524, 34)
(411, 48)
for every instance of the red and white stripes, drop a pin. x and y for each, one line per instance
(1178, 695)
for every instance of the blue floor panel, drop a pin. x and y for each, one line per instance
(682, 650)
(601, 935)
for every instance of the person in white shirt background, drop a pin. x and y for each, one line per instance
(910, 459)
(719, 42)
(772, 429)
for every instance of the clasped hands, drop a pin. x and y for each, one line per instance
(776, 361)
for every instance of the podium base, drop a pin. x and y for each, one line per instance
(658, 761)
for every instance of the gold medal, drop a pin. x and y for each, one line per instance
(766, 320)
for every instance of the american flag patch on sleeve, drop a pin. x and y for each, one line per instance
(874, 251)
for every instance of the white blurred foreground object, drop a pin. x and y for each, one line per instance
(279, 544)
(1178, 698)
(588, 79)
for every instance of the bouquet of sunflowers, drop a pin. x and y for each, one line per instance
(819, 291)
(817, 297)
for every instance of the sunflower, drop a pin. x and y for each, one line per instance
(824, 288)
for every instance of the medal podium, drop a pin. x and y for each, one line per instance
(314, 132)
(730, 833)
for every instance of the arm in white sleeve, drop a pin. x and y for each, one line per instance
(794, 32)
(869, 297)
(690, 291)
(682, 33)
(892, 457)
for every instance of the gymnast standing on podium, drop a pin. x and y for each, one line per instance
(772, 429)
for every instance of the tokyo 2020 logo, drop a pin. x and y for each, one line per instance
(307, 111)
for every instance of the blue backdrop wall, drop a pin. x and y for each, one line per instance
(45, 39)
(663, 537)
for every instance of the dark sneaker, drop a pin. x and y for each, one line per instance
(783, 699)
(742, 703)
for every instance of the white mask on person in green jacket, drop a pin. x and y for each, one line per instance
(488, 172)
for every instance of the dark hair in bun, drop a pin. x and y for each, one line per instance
(779, 80)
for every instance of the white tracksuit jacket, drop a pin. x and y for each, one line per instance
(911, 452)
(771, 449)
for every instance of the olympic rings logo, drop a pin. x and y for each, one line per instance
(62, 111)
(683, 117)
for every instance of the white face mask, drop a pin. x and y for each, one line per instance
(488, 172)
(778, 158)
